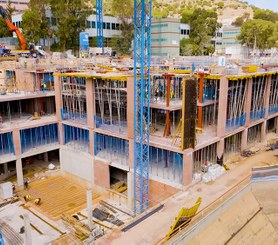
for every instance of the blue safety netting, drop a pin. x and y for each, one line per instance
(72, 116)
(99, 122)
(36, 137)
(6, 144)
(79, 138)
(236, 122)
(166, 164)
(273, 109)
(256, 115)
(111, 148)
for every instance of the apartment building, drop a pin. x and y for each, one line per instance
(19, 5)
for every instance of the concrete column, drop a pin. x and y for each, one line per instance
(130, 190)
(220, 148)
(90, 102)
(58, 97)
(45, 156)
(61, 133)
(263, 132)
(131, 154)
(276, 125)
(222, 108)
(90, 209)
(19, 172)
(244, 139)
(92, 142)
(6, 168)
(130, 107)
(267, 96)
(187, 167)
(27, 226)
(16, 140)
(248, 100)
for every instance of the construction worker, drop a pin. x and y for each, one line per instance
(26, 184)
(27, 198)
(37, 201)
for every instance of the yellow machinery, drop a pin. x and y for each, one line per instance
(183, 218)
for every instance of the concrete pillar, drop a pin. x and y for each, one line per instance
(90, 102)
(92, 142)
(61, 133)
(220, 148)
(19, 172)
(58, 97)
(222, 109)
(130, 190)
(248, 100)
(16, 140)
(45, 156)
(267, 96)
(244, 139)
(187, 167)
(131, 154)
(90, 209)
(263, 131)
(276, 125)
(6, 168)
(130, 107)
(27, 226)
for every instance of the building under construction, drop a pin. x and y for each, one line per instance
(81, 115)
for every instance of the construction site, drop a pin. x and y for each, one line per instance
(137, 150)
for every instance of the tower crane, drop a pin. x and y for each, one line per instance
(142, 59)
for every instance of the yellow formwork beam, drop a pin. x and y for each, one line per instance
(184, 217)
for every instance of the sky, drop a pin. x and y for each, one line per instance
(265, 4)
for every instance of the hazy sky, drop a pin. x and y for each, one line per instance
(265, 4)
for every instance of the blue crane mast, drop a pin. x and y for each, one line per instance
(142, 60)
(99, 16)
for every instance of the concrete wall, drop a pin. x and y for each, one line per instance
(77, 163)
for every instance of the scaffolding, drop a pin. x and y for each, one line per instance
(258, 97)
(111, 105)
(74, 106)
(111, 148)
(159, 89)
(166, 164)
(6, 144)
(237, 92)
(40, 136)
(273, 98)
(77, 138)
(206, 154)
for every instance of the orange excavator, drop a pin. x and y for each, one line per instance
(13, 28)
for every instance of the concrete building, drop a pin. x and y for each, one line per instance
(88, 118)
(19, 5)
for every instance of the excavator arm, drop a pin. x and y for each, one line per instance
(12, 27)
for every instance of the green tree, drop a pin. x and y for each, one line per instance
(258, 34)
(4, 30)
(34, 22)
(124, 10)
(203, 24)
(71, 20)
(265, 14)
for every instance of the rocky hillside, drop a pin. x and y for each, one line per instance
(228, 10)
